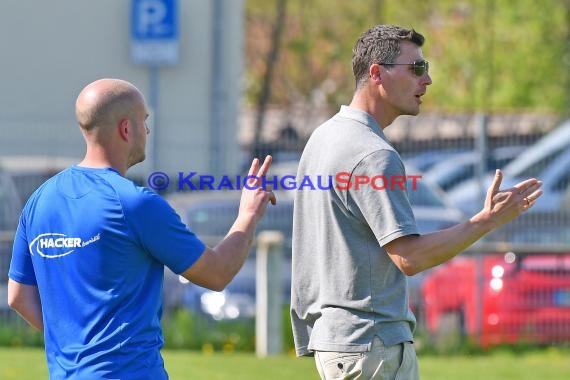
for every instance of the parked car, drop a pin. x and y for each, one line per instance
(544, 229)
(30, 171)
(210, 214)
(463, 166)
(548, 160)
(432, 209)
(500, 298)
(425, 160)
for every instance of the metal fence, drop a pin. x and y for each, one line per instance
(497, 292)
(512, 287)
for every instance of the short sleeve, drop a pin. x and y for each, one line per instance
(21, 267)
(162, 233)
(383, 201)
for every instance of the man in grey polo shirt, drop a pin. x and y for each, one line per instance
(355, 243)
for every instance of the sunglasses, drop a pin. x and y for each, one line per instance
(419, 68)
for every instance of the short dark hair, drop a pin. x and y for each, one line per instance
(380, 43)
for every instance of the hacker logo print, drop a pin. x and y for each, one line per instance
(53, 245)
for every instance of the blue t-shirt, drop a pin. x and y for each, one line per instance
(95, 244)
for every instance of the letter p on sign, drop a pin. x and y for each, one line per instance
(152, 14)
(154, 32)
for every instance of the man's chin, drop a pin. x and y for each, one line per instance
(138, 160)
(413, 112)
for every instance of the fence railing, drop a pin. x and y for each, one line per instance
(493, 293)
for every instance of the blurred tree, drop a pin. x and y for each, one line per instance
(486, 55)
(566, 57)
(265, 91)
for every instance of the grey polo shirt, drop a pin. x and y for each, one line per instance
(345, 288)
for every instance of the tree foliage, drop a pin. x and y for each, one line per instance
(485, 55)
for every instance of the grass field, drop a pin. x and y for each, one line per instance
(547, 364)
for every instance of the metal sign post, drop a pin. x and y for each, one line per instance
(154, 43)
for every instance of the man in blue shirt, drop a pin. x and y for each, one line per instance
(90, 249)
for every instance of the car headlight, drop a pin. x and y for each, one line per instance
(213, 302)
(497, 271)
(496, 283)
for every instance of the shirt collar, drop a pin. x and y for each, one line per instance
(361, 117)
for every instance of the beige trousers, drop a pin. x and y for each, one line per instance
(398, 362)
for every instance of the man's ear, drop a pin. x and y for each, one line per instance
(374, 72)
(124, 129)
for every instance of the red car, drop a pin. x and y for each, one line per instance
(500, 298)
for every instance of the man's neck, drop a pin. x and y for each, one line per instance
(374, 108)
(101, 161)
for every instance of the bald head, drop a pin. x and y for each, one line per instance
(103, 103)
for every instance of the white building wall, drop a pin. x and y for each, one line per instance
(52, 49)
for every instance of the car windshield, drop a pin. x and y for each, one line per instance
(539, 156)
(214, 218)
(423, 195)
(534, 170)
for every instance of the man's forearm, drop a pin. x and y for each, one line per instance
(217, 266)
(32, 315)
(413, 254)
(234, 248)
(25, 300)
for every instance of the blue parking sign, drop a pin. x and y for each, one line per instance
(154, 32)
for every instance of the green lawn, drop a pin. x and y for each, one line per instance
(547, 364)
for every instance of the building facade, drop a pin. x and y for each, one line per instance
(51, 50)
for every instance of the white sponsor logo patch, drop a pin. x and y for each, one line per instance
(52, 245)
